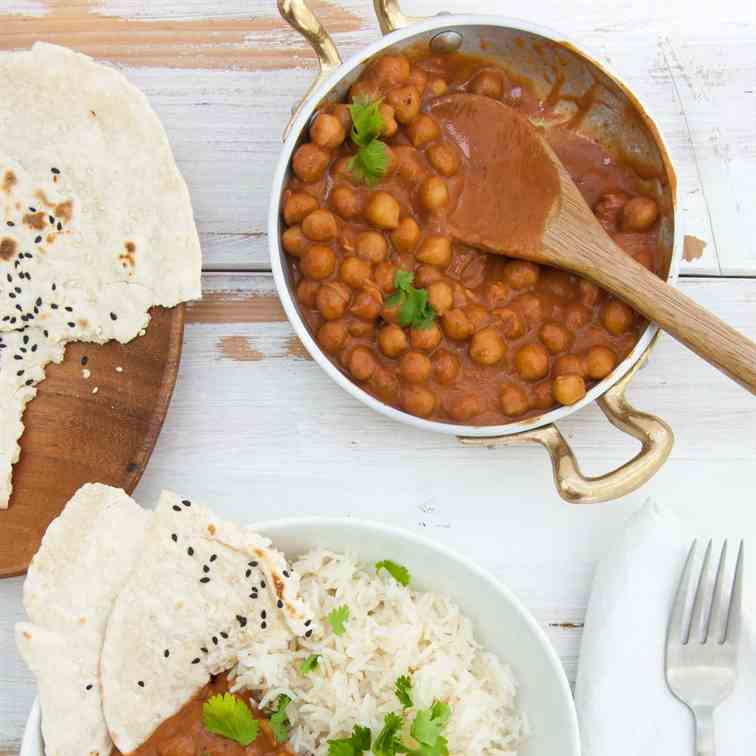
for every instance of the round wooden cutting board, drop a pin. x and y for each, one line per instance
(76, 435)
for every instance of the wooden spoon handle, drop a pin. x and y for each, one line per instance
(697, 328)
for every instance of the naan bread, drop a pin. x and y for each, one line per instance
(96, 223)
(202, 590)
(84, 560)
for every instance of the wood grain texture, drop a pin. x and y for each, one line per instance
(82, 429)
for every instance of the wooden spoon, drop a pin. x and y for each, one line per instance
(518, 200)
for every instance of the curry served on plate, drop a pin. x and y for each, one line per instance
(425, 324)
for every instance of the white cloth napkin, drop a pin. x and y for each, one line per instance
(624, 706)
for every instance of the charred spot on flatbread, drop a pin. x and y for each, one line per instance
(8, 248)
(9, 181)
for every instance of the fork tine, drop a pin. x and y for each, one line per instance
(698, 619)
(720, 603)
(736, 600)
(675, 629)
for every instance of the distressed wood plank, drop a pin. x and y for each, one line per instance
(223, 80)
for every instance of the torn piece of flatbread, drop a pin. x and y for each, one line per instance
(96, 224)
(202, 590)
(23, 356)
(84, 560)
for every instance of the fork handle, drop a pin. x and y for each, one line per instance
(704, 716)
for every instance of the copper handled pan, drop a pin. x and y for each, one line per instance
(616, 119)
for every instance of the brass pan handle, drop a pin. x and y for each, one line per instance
(654, 434)
(300, 17)
(390, 16)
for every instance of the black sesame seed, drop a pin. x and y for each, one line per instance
(263, 625)
(176, 508)
(263, 614)
(308, 633)
(205, 580)
(113, 316)
(59, 226)
(285, 574)
(89, 687)
(213, 557)
(279, 604)
(56, 171)
(71, 325)
(196, 660)
(38, 239)
(253, 564)
(190, 551)
(166, 653)
(214, 640)
(204, 650)
(224, 635)
(247, 573)
(84, 360)
(253, 595)
(262, 584)
(205, 568)
(140, 683)
(308, 623)
(174, 537)
(186, 503)
(241, 620)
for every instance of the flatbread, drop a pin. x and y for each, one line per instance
(202, 590)
(83, 562)
(96, 224)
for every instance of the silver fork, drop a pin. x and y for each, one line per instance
(702, 652)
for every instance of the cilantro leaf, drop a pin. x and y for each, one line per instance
(279, 723)
(414, 308)
(387, 743)
(428, 723)
(371, 161)
(230, 717)
(309, 664)
(403, 691)
(397, 571)
(337, 618)
(359, 742)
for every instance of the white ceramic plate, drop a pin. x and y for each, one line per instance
(502, 624)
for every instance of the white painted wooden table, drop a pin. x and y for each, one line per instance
(257, 430)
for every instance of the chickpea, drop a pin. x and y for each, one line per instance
(327, 131)
(385, 274)
(543, 395)
(361, 328)
(422, 130)
(437, 86)
(465, 407)
(406, 103)
(332, 335)
(576, 316)
(426, 339)
(639, 214)
(457, 326)
(488, 84)
(443, 157)
(435, 250)
(568, 389)
(555, 337)
(446, 366)
(332, 300)
(426, 275)
(434, 193)
(390, 70)
(513, 400)
(355, 272)
(365, 87)
(511, 323)
(569, 364)
(441, 296)
(645, 258)
(367, 305)
(498, 293)
(405, 236)
(372, 246)
(307, 291)
(318, 262)
(383, 211)
(532, 362)
(478, 316)
(298, 205)
(617, 317)
(341, 111)
(385, 384)
(409, 165)
(608, 209)
(414, 367)
(390, 126)
(418, 400)
(521, 274)
(487, 347)
(342, 171)
(392, 340)
(362, 363)
(391, 312)
(588, 292)
(418, 78)
(346, 202)
(320, 225)
(309, 162)
(560, 284)
(294, 241)
(599, 362)
(531, 308)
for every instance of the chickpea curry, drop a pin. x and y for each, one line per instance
(425, 324)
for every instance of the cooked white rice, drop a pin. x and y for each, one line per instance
(391, 631)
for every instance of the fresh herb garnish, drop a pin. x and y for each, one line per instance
(403, 691)
(279, 723)
(414, 308)
(388, 743)
(230, 717)
(337, 618)
(355, 745)
(427, 726)
(371, 161)
(397, 571)
(309, 664)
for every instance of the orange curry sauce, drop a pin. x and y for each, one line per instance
(512, 339)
